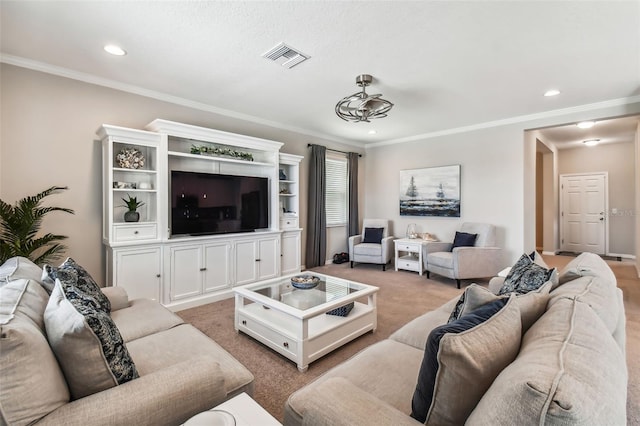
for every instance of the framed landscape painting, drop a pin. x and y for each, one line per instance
(434, 191)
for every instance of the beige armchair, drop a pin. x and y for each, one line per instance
(481, 260)
(374, 245)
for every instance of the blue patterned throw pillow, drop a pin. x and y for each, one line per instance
(69, 271)
(84, 338)
(525, 276)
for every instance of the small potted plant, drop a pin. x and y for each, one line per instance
(132, 204)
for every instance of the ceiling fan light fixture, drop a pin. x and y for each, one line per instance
(591, 142)
(363, 107)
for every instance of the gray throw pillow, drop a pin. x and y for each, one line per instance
(462, 359)
(85, 340)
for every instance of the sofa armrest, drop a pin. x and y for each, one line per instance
(117, 296)
(495, 284)
(477, 262)
(168, 396)
(353, 240)
(387, 248)
(338, 402)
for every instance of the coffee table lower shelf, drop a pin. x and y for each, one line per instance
(304, 340)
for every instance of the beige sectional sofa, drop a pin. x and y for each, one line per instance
(569, 368)
(181, 371)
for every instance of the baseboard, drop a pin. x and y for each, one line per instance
(549, 253)
(624, 256)
(201, 300)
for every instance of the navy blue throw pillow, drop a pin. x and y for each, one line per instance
(423, 395)
(373, 235)
(464, 239)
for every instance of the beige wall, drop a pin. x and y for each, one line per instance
(637, 211)
(47, 137)
(498, 178)
(617, 159)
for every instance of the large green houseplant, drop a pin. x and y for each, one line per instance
(19, 227)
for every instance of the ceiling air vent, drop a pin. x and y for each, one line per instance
(285, 55)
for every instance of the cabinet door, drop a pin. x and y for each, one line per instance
(138, 271)
(217, 266)
(186, 276)
(245, 262)
(268, 258)
(290, 260)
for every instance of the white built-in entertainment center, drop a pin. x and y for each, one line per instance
(181, 271)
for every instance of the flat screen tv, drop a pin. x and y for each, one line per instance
(206, 203)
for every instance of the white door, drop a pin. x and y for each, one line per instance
(186, 271)
(290, 253)
(246, 270)
(138, 271)
(268, 258)
(216, 266)
(583, 206)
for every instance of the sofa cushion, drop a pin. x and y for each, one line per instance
(531, 305)
(166, 348)
(415, 332)
(373, 235)
(17, 268)
(463, 239)
(367, 249)
(83, 281)
(396, 362)
(524, 276)
(466, 354)
(443, 259)
(142, 318)
(586, 265)
(569, 371)
(31, 382)
(86, 342)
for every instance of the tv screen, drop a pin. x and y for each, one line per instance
(206, 203)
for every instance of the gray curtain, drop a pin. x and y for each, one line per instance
(317, 218)
(353, 192)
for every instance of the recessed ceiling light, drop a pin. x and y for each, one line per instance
(552, 92)
(591, 142)
(372, 132)
(586, 124)
(115, 50)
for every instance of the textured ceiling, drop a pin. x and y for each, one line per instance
(443, 64)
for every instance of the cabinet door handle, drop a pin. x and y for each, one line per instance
(157, 275)
(257, 260)
(203, 269)
(285, 344)
(135, 232)
(244, 322)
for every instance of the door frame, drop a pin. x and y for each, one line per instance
(606, 206)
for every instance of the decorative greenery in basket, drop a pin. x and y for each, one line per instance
(212, 150)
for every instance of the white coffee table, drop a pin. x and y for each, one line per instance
(294, 322)
(243, 408)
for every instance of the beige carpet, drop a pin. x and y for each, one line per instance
(403, 296)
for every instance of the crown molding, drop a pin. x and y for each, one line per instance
(136, 90)
(512, 120)
(112, 84)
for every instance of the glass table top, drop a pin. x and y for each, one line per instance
(327, 290)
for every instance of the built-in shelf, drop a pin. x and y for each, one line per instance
(219, 159)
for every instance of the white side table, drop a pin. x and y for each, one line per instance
(244, 409)
(409, 254)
